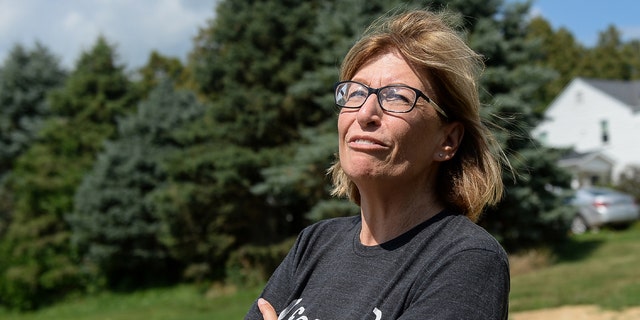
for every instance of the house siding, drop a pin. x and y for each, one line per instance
(574, 119)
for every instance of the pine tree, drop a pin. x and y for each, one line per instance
(25, 80)
(159, 69)
(39, 264)
(118, 223)
(531, 213)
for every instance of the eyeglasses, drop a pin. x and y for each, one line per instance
(394, 98)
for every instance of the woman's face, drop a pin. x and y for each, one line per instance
(376, 145)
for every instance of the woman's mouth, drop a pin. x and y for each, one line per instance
(366, 143)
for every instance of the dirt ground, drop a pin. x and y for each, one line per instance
(578, 313)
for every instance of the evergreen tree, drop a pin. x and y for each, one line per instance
(38, 264)
(159, 69)
(117, 223)
(531, 213)
(25, 79)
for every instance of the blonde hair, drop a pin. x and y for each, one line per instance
(472, 179)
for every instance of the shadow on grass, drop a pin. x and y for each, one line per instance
(575, 249)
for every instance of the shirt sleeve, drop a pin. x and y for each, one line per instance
(472, 284)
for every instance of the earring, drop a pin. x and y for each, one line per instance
(440, 155)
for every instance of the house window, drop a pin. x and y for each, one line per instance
(543, 137)
(579, 96)
(604, 131)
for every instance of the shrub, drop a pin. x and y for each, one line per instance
(252, 265)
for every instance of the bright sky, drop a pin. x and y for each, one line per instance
(67, 27)
(136, 27)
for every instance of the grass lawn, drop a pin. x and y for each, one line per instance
(181, 302)
(598, 268)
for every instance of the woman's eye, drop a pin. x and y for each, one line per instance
(396, 96)
(358, 94)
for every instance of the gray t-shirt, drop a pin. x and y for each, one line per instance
(445, 268)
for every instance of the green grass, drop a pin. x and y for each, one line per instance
(181, 302)
(600, 269)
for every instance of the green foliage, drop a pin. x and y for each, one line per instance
(159, 69)
(610, 58)
(629, 181)
(299, 186)
(531, 213)
(251, 266)
(557, 50)
(249, 61)
(606, 59)
(207, 200)
(254, 63)
(115, 222)
(631, 53)
(25, 79)
(37, 264)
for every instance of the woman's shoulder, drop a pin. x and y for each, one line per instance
(333, 225)
(458, 232)
(327, 232)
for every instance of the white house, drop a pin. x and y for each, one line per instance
(600, 120)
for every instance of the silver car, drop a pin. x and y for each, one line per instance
(597, 207)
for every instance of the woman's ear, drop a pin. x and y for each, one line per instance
(451, 139)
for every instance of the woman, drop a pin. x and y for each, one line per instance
(415, 157)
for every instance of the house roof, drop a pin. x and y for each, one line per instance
(584, 159)
(628, 92)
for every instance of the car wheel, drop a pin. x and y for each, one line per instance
(578, 225)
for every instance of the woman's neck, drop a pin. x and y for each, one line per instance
(387, 215)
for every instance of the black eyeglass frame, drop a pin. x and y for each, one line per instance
(371, 91)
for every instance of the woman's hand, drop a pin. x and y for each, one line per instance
(267, 310)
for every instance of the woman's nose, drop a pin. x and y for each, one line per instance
(371, 112)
